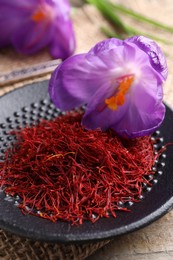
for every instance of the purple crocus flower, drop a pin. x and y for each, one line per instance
(30, 25)
(121, 83)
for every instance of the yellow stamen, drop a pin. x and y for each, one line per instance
(119, 98)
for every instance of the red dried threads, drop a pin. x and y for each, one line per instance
(61, 171)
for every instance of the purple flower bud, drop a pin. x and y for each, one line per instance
(32, 25)
(121, 83)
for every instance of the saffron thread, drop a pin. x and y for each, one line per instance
(61, 171)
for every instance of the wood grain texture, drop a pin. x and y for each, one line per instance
(152, 242)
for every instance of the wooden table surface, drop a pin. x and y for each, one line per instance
(156, 240)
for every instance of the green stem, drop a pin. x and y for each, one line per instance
(135, 32)
(141, 17)
(109, 10)
(104, 7)
(111, 34)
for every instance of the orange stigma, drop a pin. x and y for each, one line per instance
(43, 12)
(38, 16)
(119, 98)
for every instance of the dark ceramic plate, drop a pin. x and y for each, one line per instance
(31, 103)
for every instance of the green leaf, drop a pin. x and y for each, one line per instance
(105, 8)
(140, 17)
(111, 34)
(121, 30)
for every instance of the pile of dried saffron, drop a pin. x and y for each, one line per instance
(61, 171)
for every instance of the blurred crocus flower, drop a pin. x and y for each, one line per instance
(30, 25)
(121, 83)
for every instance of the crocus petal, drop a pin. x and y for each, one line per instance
(142, 108)
(9, 23)
(146, 97)
(36, 37)
(31, 25)
(101, 54)
(79, 77)
(7, 27)
(22, 5)
(63, 6)
(154, 52)
(131, 119)
(74, 82)
(98, 115)
(134, 122)
(62, 44)
(103, 46)
(120, 84)
(145, 112)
